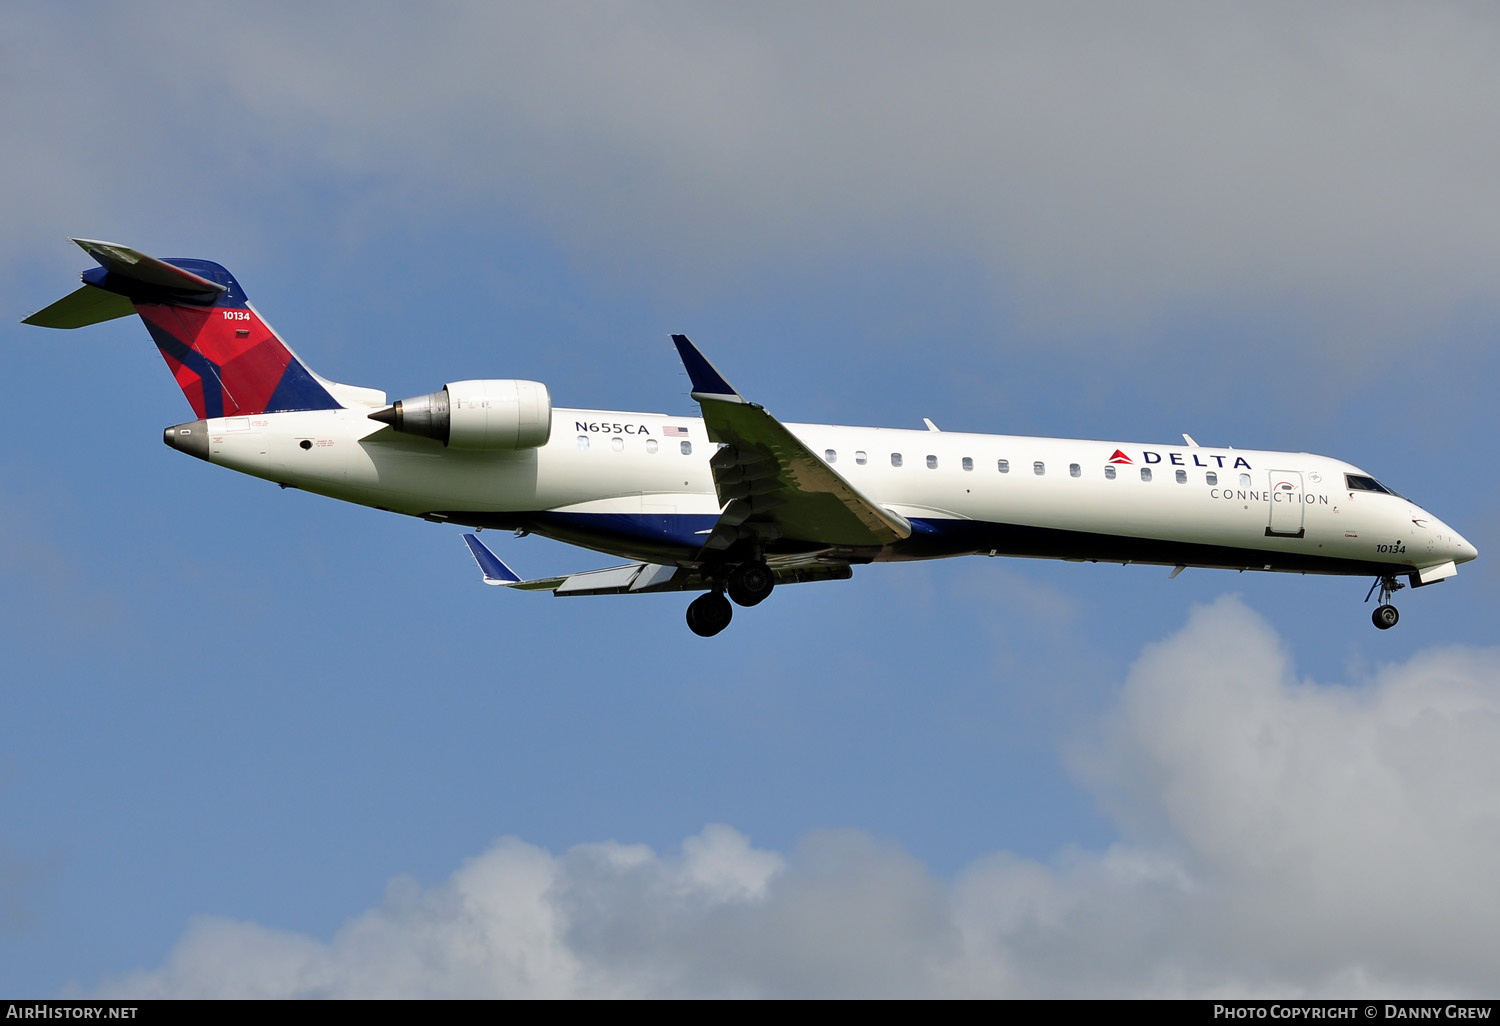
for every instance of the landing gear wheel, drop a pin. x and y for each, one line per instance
(709, 614)
(1385, 615)
(749, 583)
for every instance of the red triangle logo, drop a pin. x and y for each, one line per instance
(1120, 457)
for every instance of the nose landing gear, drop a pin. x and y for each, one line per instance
(1385, 615)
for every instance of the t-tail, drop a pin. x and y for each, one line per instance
(226, 359)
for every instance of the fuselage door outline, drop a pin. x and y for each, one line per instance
(1286, 505)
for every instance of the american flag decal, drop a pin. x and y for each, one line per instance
(673, 431)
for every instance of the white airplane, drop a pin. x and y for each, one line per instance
(736, 502)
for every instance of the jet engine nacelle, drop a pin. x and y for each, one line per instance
(498, 413)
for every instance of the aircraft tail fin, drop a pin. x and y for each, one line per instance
(226, 359)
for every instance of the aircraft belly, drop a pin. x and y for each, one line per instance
(933, 539)
(654, 537)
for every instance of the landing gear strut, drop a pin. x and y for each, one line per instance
(1385, 615)
(749, 583)
(709, 614)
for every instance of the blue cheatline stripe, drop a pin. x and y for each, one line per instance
(679, 529)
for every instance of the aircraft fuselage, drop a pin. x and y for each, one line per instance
(638, 485)
(734, 502)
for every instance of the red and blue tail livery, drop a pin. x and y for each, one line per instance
(226, 359)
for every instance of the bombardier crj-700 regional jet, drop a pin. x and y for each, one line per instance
(736, 502)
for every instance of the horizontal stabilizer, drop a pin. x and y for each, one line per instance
(128, 276)
(79, 309)
(226, 359)
(148, 270)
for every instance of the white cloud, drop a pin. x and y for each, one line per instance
(1281, 837)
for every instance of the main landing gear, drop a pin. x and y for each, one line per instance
(748, 584)
(1385, 615)
(709, 614)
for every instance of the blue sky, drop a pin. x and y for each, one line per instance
(258, 742)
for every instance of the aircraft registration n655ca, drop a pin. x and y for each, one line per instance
(737, 503)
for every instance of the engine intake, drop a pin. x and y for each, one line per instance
(500, 413)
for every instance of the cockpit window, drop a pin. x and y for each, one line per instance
(1360, 483)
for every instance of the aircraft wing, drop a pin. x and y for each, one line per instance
(770, 485)
(632, 578)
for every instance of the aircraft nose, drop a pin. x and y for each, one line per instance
(1441, 540)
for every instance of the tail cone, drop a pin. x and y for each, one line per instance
(191, 438)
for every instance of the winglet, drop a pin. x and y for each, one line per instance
(708, 383)
(495, 572)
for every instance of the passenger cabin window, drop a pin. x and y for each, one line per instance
(650, 445)
(687, 448)
(1003, 466)
(1109, 472)
(583, 441)
(1182, 477)
(861, 458)
(1039, 468)
(1074, 470)
(1211, 477)
(968, 463)
(830, 456)
(895, 459)
(1145, 473)
(617, 444)
(1244, 480)
(931, 462)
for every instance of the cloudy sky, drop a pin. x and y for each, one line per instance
(254, 742)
